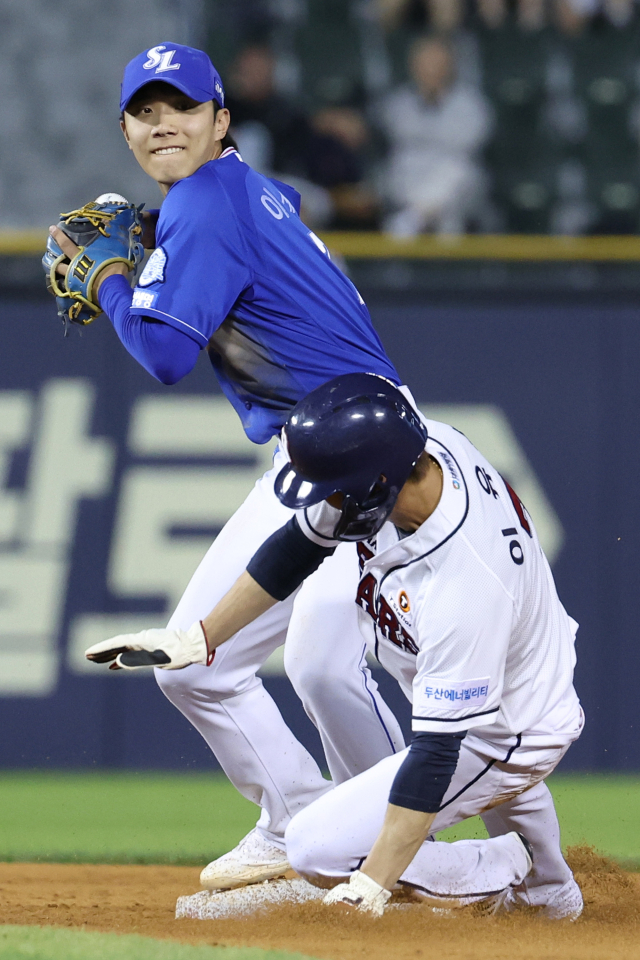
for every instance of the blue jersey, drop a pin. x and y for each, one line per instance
(237, 270)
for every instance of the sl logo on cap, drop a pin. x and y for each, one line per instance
(162, 61)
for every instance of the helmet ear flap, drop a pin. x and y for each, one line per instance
(378, 492)
(358, 523)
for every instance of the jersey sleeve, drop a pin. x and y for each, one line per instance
(464, 629)
(199, 267)
(285, 560)
(318, 523)
(166, 353)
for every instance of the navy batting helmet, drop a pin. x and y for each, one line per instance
(357, 435)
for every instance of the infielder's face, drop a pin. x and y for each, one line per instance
(170, 134)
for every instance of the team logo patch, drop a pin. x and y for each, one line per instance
(458, 693)
(161, 61)
(455, 477)
(154, 270)
(143, 298)
(403, 602)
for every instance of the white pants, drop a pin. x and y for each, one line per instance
(324, 658)
(330, 839)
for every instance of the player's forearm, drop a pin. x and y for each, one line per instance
(416, 795)
(403, 833)
(165, 353)
(274, 572)
(245, 601)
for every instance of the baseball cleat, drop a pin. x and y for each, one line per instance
(505, 900)
(252, 861)
(502, 902)
(567, 903)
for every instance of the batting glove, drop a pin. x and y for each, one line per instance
(360, 892)
(167, 649)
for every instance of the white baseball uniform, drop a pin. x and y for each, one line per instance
(465, 614)
(324, 659)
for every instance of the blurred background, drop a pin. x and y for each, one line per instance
(448, 116)
(474, 166)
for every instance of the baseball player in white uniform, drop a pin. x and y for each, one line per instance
(457, 601)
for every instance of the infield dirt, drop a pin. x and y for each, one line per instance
(141, 899)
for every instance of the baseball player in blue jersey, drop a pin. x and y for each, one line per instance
(236, 272)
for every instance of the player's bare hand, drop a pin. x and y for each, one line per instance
(168, 649)
(67, 246)
(149, 221)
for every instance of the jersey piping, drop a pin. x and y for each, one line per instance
(363, 673)
(400, 566)
(483, 771)
(467, 716)
(312, 529)
(150, 311)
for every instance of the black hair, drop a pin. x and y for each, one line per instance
(420, 468)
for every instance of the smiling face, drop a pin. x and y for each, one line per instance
(170, 134)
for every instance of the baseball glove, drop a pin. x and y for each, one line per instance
(106, 233)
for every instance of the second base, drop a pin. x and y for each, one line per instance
(217, 905)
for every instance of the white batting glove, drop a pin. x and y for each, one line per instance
(167, 649)
(361, 892)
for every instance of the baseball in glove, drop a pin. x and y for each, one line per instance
(107, 230)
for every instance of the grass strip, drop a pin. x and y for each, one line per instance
(190, 819)
(120, 817)
(53, 943)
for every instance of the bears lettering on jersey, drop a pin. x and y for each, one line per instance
(366, 594)
(382, 614)
(364, 554)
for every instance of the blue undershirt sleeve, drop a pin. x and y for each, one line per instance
(425, 775)
(166, 353)
(285, 559)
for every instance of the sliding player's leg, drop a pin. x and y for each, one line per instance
(328, 840)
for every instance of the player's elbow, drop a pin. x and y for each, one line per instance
(169, 354)
(168, 374)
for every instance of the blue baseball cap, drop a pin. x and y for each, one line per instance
(186, 68)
